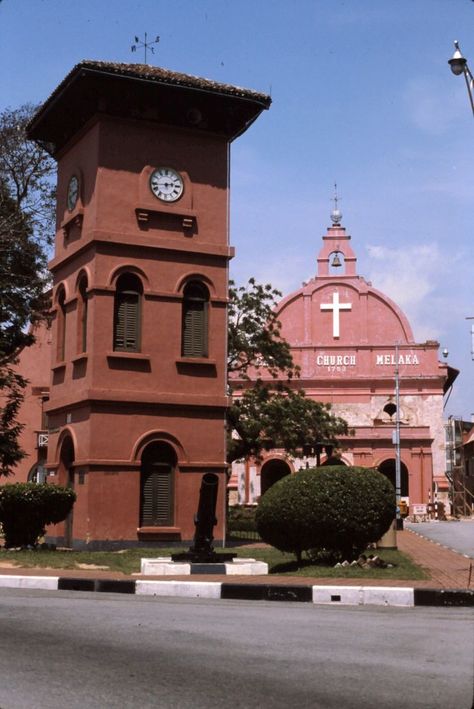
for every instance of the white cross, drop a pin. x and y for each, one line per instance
(336, 308)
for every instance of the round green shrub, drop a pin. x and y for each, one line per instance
(339, 509)
(26, 509)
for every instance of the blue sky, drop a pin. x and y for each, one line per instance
(362, 96)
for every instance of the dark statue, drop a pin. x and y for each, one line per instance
(202, 550)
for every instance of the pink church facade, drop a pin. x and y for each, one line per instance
(349, 339)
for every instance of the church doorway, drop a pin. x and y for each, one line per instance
(271, 472)
(157, 483)
(387, 468)
(66, 477)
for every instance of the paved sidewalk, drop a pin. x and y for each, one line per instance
(447, 570)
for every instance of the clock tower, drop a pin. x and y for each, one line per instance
(140, 278)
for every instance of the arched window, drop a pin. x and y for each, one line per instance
(82, 315)
(38, 473)
(271, 472)
(61, 326)
(127, 313)
(194, 342)
(157, 486)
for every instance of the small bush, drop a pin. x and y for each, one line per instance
(241, 518)
(26, 509)
(337, 509)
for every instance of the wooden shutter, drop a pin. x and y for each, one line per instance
(194, 326)
(82, 314)
(61, 327)
(157, 495)
(126, 333)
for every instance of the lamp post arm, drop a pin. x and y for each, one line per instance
(469, 84)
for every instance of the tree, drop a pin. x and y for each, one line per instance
(27, 172)
(254, 339)
(26, 229)
(271, 413)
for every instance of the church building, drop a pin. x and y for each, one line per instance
(355, 348)
(127, 394)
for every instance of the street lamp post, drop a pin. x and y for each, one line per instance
(399, 520)
(459, 66)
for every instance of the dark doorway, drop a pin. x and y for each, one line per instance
(271, 472)
(387, 468)
(157, 486)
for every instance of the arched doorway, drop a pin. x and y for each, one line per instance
(271, 472)
(66, 478)
(157, 484)
(387, 468)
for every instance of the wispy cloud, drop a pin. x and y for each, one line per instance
(414, 277)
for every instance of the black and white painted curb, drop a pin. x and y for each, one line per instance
(320, 595)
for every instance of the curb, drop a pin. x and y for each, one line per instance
(318, 595)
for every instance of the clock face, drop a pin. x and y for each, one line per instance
(166, 184)
(72, 192)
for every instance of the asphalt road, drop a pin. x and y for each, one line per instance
(66, 649)
(455, 535)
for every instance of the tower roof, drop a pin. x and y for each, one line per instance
(143, 92)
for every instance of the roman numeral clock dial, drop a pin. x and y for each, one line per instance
(166, 184)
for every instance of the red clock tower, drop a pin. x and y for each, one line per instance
(138, 386)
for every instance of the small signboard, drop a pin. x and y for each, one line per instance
(418, 509)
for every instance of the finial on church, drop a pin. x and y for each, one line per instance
(139, 44)
(336, 215)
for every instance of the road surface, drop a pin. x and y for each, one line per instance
(73, 649)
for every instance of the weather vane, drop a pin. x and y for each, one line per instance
(145, 45)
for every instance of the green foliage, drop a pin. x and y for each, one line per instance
(22, 280)
(12, 386)
(266, 417)
(26, 509)
(254, 339)
(241, 518)
(28, 173)
(338, 509)
(26, 208)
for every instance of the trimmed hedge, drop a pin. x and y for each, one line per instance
(26, 509)
(338, 509)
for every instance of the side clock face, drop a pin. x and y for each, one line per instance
(72, 192)
(166, 184)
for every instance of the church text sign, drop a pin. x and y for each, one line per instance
(340, 362)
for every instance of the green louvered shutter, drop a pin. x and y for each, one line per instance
(195, 327)
(126, 334)
(157, 496)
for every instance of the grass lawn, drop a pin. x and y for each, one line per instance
(128, 561)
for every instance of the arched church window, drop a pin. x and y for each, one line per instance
(157, 486)
(194, 342)
(61, 325)
(82, 315)
(38, 473)
(127, 313)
